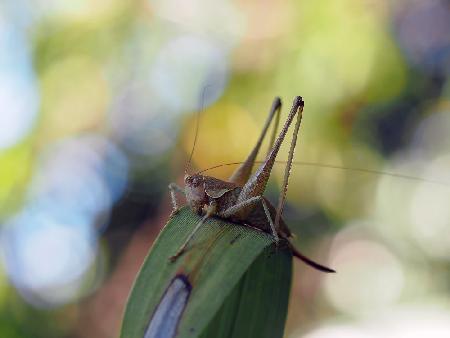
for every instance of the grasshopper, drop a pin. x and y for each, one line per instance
(240, 199)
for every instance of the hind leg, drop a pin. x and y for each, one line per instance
(251, 203)
(243, 172)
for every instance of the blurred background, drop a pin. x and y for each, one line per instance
(98, 103)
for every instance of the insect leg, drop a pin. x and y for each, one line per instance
(243, 172)
(209, 212)
(274, 130)
(287, 172)
(173, 188)
(235, 209)
(257, 182)
(252, 201)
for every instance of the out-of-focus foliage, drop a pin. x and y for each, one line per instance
(98, 103)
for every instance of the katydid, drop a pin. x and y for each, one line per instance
(240, 199)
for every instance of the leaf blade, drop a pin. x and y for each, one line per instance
(220, 261)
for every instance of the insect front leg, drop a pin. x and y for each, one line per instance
(174, 188)
(245, 205)
(210, 211)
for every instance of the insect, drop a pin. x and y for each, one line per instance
(240, 199)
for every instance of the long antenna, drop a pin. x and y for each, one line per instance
(333, 166)
(197, 126)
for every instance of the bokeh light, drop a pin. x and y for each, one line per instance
(52, 243)
(189, 73)
(408, 322)
(370, 277)
(76, 105)
(85, 175)
(219, 19)
(46, 255)
(19, 96)
(71, 9)
(428, 46)
(141, 123)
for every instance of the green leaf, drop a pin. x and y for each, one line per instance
(233, 281)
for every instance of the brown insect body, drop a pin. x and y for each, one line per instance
(224, 195)
(240, 199)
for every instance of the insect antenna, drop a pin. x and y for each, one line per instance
(338, 167)
(188, 166)
(221, 165)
